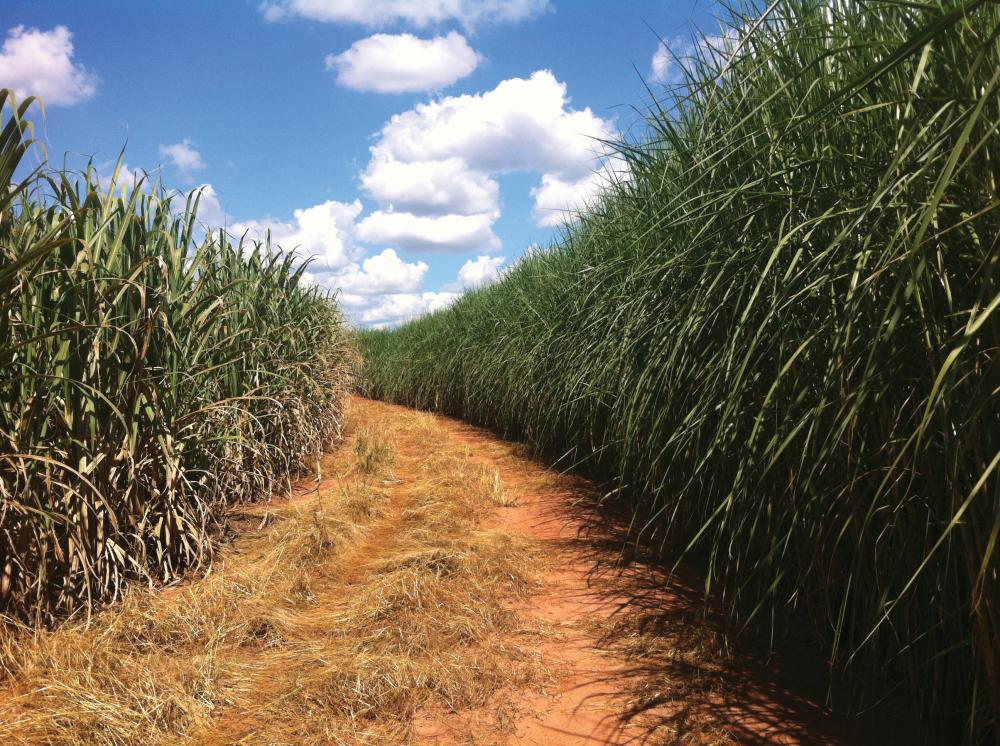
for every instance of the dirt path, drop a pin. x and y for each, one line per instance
(588, 697)
(632, 659)
(433, 585)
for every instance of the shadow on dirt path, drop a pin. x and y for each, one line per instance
(635, 656)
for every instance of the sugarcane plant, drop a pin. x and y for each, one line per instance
(778, 334)
(152, 373)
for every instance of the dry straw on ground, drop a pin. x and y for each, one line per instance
(370, 595)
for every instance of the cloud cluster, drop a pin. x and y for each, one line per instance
(556, 197)
(377, 290)
(210, 211)
(430, 232)
(400, 63)
(324, 233)
(184, 156)
(433, 168)
(397, 308)
(479, 272)
(419, 13)
(430, 187)
(40, 63)
(433, 174)
(381, 274)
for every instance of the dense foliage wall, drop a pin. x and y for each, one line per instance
(148, 378)
(780, 335)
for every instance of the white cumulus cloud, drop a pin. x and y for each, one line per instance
(324, 232)
(429, 232)
(522, 124)
(479, 272)
(380, 274)
(184, 156)
(380, 289)
(40, 63)
(384, 290)
(431, 187)
(210, 212)
(664, 67)
(400, 63)
(397, 308)
(434, 167)
(558, 201)
(419, 13)
(375, 289)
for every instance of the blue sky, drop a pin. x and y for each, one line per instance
(408, 144)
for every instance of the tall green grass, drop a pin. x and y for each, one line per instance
(780, 336)
(150, 375)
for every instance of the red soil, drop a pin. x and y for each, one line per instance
(596, 603)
